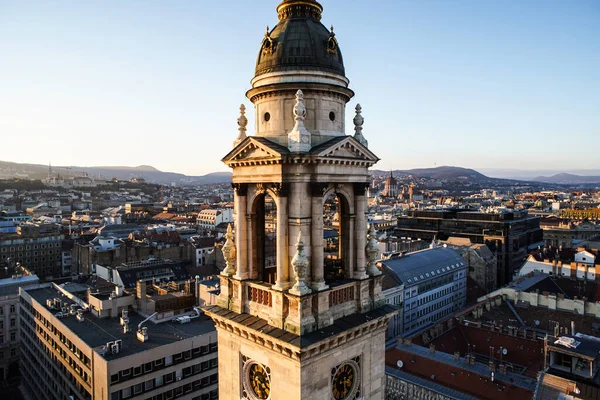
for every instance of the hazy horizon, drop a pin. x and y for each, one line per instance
(481, 85)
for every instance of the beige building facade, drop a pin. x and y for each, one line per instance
(71, 353)
(312, 327)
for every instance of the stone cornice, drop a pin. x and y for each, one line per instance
(290, 350)
(301, 159)
(289, 90)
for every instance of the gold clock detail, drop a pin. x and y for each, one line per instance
(345, 380)
(256, 380)
(259, 381)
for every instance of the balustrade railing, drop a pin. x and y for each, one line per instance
(341, 295)
(260, 296)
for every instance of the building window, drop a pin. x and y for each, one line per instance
(12, 308)
(137, 388)
(13, 322)
(13, 352)
(158, 381)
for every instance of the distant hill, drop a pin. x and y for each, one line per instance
(441, 173)
(147, 172)
(568, 179)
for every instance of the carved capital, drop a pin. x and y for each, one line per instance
(360, 188)
(318, 188)
(282, 189)
(241, 189)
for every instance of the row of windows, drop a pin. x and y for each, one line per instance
(42, 366)
(13, 309)
(161, 363)
(64, 340)
(140, 388)
(4, 249)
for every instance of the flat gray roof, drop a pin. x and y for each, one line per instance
(435, 262)
(96, 332)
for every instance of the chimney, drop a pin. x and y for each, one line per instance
(572, 328)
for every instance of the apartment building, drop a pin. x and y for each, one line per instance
(78, 345)
(37, 247)
(9, 324)
(434, 286)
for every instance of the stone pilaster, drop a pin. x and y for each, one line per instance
(317, 253)
(283, 270)
(241, 229)
(360, 203)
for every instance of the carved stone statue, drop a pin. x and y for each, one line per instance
(300, 265)
(372, 252)
(229, 253)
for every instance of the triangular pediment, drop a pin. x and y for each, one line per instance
(345, 148)
(255, 149)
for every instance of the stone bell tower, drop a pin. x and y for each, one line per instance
(300, 314)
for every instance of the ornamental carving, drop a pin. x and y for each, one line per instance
(241, 189)
(281, 189)
(300, 265)
(269, 46)
(372, 252)
(229, 253)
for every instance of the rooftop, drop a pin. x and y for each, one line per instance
(422, 265)
(96, 332)
(457, 374)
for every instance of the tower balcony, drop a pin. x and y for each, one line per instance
(300, 314)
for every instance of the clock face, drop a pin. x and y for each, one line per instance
(259, 381)
(343, 381)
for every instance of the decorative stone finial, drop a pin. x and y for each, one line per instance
(299, 108)
(299, 138)
(300, 264)
(242, 121)
(229, 253)
(358, 123)
(372, 252)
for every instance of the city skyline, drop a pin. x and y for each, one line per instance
(516, 75)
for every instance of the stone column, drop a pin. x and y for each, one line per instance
(251, 243)
(360, 203)
(317, 255)
(283, 271)
(241, 236)
(351, 246)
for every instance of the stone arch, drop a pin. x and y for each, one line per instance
(338, 261)
(262, 234)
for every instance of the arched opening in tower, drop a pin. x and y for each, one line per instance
(265, 239)
(335, 238)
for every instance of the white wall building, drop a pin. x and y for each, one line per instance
(209, 219)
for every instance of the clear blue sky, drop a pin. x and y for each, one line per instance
(480, 84)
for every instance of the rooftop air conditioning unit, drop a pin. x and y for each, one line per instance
(114, 349)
